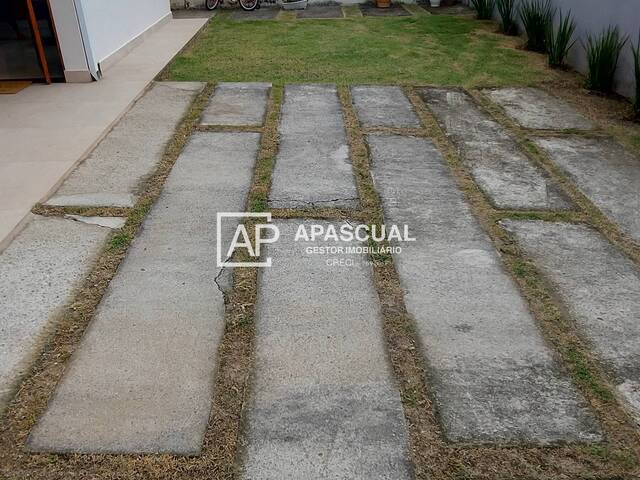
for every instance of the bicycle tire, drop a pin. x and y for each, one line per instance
(211, 4)
(249, 5)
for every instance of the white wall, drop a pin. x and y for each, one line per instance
(70, 39)
(111, 24)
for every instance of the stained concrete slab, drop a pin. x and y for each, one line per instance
(321, 11)
(493, 377)
(383, 106)
(109, 222)
(312, 166)
(324, 403)
(142, 379)
(112, 173)
(38, 274)
(497, 164)
(264, 13)
(605, 172)
(237, 104)
(369, 10)
(536, 109)
(600, 287)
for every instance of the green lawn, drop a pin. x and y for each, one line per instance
(420, 49)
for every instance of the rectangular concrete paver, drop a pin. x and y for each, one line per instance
(383, 106)
(38, 273)
(493, 377)
(600, 287)
(536, 109)
(324, 403)
(112, 173)
(605, 172)
(313, 166)
(142, 378)
(237, 104)
(496, 162)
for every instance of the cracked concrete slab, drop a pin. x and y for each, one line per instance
(605, 172)
(503, 172)
(324, 402)
(38, 274)
(237, 104)
(111, 175)
(142, 379)
(536, 109)
(600, 287)
(312, 165)
(108, 222)
(383, 106)
(493, 377)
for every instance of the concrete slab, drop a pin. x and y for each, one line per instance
(109, 222)
(313, 165)
(536, 109)
(605, 172)
(383, 106)
(264, 13)
(600, 287)
(369, 10)
(38, 274)
(237, 104)
(493, 377)
(142, 379)
(497, 164)
(129, 152)
(321, 11)
(46, 129)
(324, 402)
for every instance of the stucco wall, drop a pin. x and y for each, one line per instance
(111, 24)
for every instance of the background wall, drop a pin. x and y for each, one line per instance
(69, 36)
(111, 24)
(592, 16)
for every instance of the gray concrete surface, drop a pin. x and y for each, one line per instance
(38, 274)
(142, 378)
(493, 377)
(321, 11)
(110, 222)
(313, 165)
(370, 10)
(112, 173)
(501, 170)
(237, 104)
(536, 109)
(383, 106)
(324, 404)
(605, 172)
(600, 287)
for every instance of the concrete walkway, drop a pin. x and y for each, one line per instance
(46, 130)
(324, 401)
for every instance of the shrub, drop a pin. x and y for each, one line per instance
(536, 16)
(636, 61)
(603, 53)
(559, 41)
(484, 8)
(507, 10)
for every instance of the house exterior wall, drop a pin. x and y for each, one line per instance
(111, 26)
(70, 41)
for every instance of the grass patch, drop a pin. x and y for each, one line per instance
(356, 50)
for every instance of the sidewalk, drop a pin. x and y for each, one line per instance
(46, 130)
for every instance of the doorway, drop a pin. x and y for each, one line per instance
(28, 42)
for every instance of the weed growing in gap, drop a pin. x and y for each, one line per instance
(603, 53)
(536, 16)
(559, 41)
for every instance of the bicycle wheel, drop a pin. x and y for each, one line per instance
(212, 4)
(249, 5)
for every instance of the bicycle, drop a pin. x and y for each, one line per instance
(247, 5)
